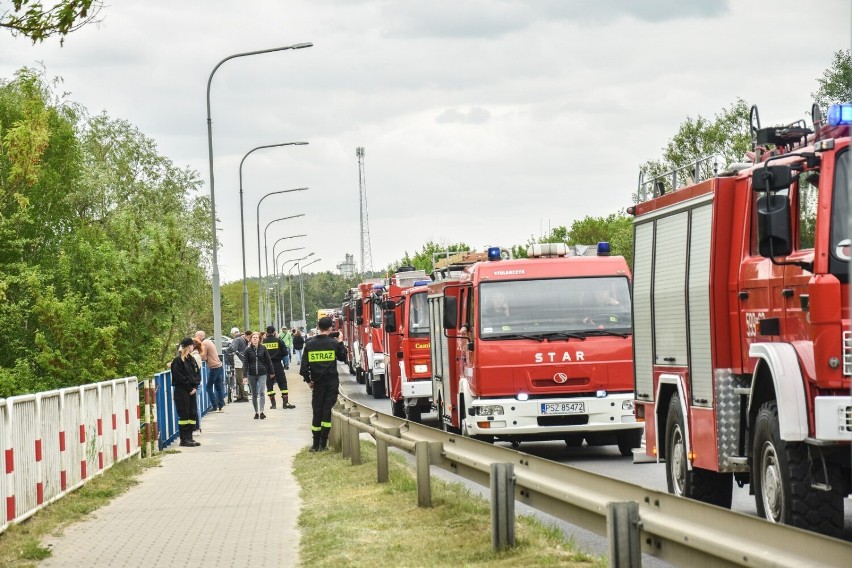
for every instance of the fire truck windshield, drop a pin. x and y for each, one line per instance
(559, 305)
(840, 242)
(418, 316)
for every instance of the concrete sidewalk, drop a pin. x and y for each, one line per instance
(232, 501)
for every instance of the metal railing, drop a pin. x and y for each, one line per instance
(56, 441)
(681, 531)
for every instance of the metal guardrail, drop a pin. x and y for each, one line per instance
(56, 441)
(681, 531)
(166, 413)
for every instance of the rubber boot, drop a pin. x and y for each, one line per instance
(186, 436)
(323, 442)
(285, 402)
(272, 401)
(316, 445)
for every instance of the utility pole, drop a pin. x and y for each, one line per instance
(366, 252)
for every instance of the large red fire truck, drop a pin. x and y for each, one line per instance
(371, 362)
(536, 349)
(743, 354)
(406, 341)
(349, 329)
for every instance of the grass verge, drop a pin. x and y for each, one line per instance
(20, 544)
(348, 519)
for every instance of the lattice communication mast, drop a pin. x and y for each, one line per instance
(366, 252)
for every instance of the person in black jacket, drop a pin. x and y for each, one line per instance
(257, 366)
(184, 383)
(319, 369)
(298, 344)
(277, 352)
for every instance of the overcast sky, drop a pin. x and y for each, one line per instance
(483, 121)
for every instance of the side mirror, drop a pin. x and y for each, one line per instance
(451, 312)
(359, 320)
(772, 178)
(390, 322)
(388, 304)
(359, 308)
(774, 234)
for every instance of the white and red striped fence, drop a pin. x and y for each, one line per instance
(55, 441)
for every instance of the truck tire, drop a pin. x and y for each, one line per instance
(368, 381)
(573, 440)
(413, 413)
(782, 488)
(378, 387)
(700, 484)
(398, 408)
(359, 376)
(628, 440)
(351, 368)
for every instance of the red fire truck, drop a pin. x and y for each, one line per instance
(368, 317)
(743, 354)
(349, 329)
(406, 325)
(536, 349)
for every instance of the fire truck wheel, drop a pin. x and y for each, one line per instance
(628, 440)
(351, 368)
(359, 376)
(574, 440)
(398, 408)
(368, 382)
(782, 487)
(413, 413)
(699, 484)
(378, 386)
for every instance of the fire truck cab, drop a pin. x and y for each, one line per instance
(743, 356)
(371, 368)
(406, 341)
(536, 349)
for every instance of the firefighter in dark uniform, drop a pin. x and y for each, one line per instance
(277, 351)
(319, 369)
(185, 386)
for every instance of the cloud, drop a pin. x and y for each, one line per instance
(476, 115)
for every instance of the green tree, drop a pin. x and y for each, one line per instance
(616, 229)
(39, 20)
(835, 85)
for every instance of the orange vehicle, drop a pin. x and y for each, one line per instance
(743, 356)
(536, 349)
(406, 341)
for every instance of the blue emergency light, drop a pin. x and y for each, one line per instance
(603, 248)
(421, 282)
(494, 253)
(840, 114)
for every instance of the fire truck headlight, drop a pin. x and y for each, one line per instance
(379, 364)
(421, 368)
(522, 396)
(601, 394)
(492, 410)
(627, 405)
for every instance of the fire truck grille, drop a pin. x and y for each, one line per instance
(846, 419)
(847, 353)
(567, 420)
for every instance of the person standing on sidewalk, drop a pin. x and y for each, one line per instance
(277, 351)
(287, 338)
(237, 350)
(258, 365)
(183, 381)
(215, 372)
(298, 345)
(319, 369)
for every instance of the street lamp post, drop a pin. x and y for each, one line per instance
(289, 279)
(217, 297)
(242, 224)
(266, 254)
(279, 306)
(302, 288)
(259, 272)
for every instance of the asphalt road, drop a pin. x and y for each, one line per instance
(604, 460)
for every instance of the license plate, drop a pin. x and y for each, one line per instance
(563, 407)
